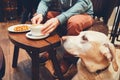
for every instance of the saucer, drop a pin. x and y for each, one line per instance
(30, 36)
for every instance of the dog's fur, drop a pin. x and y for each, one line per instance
(96, 54)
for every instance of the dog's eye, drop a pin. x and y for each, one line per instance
(84, 38)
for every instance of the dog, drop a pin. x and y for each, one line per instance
(97, 56)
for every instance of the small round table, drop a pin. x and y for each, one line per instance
(34, 48)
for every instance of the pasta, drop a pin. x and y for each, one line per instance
(21, 28)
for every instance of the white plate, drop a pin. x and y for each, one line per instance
(29, 35)
(11, 28)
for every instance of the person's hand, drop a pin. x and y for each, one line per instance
(50, 25)
(37, 19)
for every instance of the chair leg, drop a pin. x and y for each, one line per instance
(118, 35)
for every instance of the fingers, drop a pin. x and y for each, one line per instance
(37, 19)
(48, 30)
(35, 14)
(47, 26)
(50, 25)
(33, 20)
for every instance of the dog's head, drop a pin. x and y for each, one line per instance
(94, 49)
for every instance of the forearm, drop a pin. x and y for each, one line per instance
(43, 7)
(79, 8)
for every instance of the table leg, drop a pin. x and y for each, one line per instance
(35, 66)
(15, 56)
(52, 54)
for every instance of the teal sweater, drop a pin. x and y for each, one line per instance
(73, 7)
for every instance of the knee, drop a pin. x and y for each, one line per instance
(73, 21)
(74, 27)
(52, 14)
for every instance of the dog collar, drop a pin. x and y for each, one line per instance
(101, 70)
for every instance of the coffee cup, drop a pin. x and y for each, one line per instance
(36, 29)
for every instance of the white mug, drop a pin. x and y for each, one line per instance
(36, 29)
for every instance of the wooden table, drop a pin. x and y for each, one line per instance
(34, 48)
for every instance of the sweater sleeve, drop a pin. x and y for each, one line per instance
(81, 6)
(43, 7)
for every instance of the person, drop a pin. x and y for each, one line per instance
(29, 7)
(66, 17)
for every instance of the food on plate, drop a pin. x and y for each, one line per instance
(21, 28)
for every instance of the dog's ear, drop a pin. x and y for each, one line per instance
(113, 52)
(109, 51)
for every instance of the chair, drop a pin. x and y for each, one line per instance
(115, 32)
(102, 12)
(2, 64)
